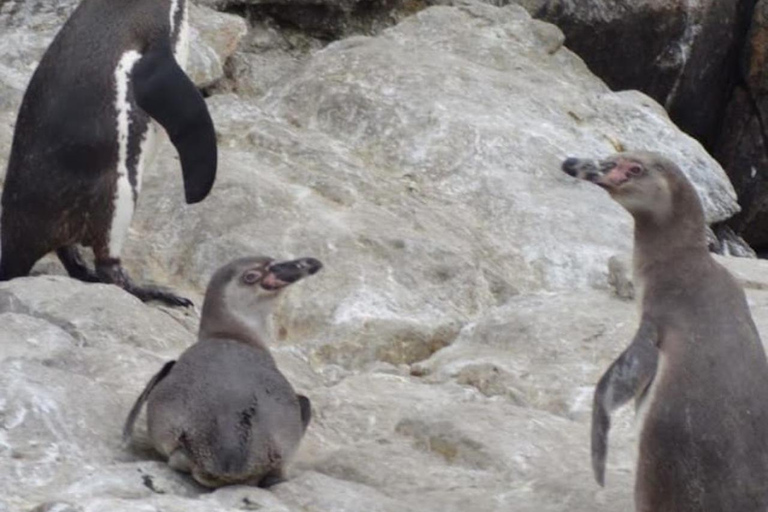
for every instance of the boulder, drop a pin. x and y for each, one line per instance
(683, 54)
(741, 147)
(214, 37)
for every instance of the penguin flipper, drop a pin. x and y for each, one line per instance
(305, 407)
(628, 377)
(136, 409)
(166, 93)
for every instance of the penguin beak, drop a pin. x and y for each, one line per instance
(601, 174)
(280, 275)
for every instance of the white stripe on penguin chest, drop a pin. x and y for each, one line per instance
(124, 197)
(181, 45)
(123, 201)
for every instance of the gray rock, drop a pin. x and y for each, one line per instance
(266, 55)
(214, 38)
(57, 507)
(741, 147)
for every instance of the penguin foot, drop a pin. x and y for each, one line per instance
(73, 261)
(147, 293)
(110, 271)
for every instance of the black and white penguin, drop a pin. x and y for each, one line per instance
(86, 131)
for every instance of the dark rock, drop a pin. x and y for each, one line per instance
(742, 144)
(682, 54)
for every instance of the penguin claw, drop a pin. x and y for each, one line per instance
(149, 293)
(109, 270)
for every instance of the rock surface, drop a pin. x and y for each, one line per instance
(683, 54)
(450, 345)
(688, 54)
(742, 148)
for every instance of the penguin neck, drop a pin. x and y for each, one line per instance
(220, 322)
(660, 242)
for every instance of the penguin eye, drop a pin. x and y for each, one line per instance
(252, 277)
(635, 170)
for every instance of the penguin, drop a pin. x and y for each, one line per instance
(224, 412)
(86, 131)
(696, 366)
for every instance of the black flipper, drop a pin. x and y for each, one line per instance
(167, 94)
(628, 377)
(136, 409)
(306, 410)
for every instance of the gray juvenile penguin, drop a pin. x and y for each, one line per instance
(696, 366)
(223, 412)
(86, 130)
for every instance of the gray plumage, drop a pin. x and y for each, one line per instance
(696, 367)
(224, 412)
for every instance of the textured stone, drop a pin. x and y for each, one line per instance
(29, 26)
(741, 147)
(684, 54)
(214, 38)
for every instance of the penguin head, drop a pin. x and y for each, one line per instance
(646, 184)
(241, 294)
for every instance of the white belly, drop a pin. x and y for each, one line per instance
(123, 200)
(181, 49)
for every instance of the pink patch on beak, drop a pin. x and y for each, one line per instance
(271, 282)
(615, 177)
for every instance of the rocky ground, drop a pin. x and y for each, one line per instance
(451, 344)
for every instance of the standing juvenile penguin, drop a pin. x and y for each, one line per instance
(85, 132)
(224, 412)
(696, 366)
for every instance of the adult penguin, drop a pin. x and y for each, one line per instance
(85, 133)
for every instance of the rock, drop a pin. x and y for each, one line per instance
(741, 147)
(57, 507)
(266, 55)
(586, 323)
(317, 493)
(327, 20)
(447, 448)
(214, 38)
(726, 242)
(684, 54)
